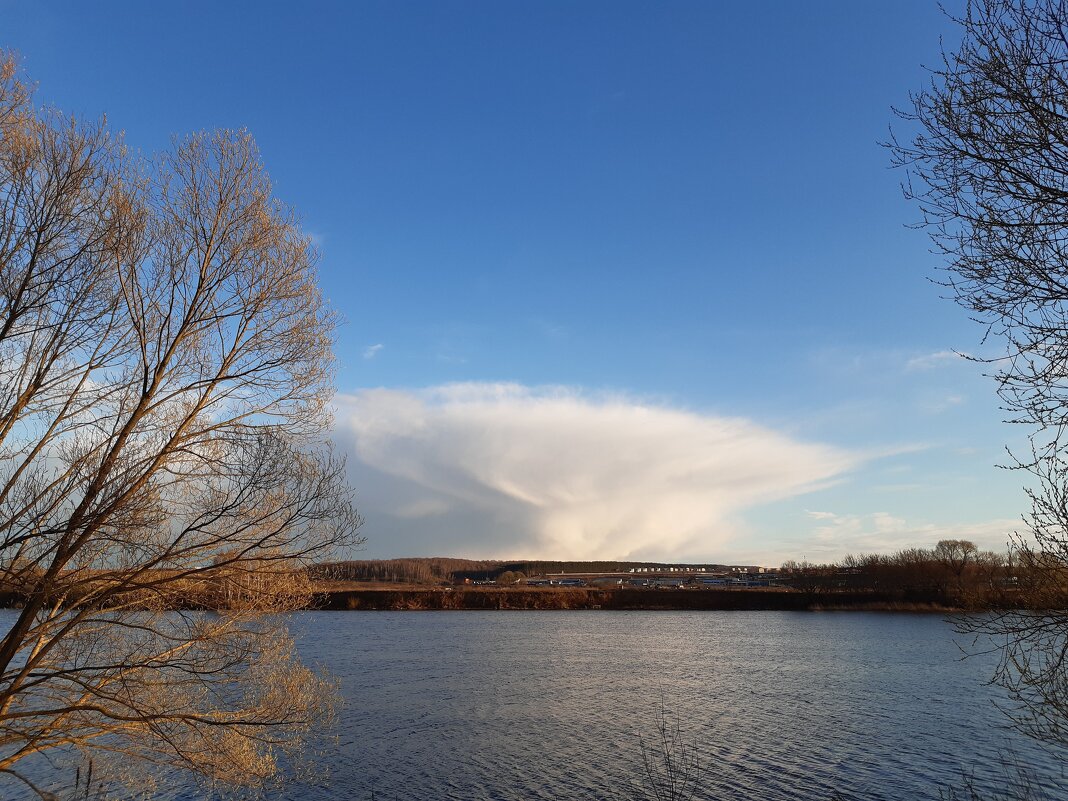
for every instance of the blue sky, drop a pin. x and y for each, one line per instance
(619, 279)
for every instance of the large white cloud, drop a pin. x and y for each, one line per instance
(503, 470)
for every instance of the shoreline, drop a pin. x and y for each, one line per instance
(417, 599)
(749, 600)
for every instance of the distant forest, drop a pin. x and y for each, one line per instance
(954, 571)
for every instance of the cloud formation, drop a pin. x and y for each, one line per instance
(372, 350)
(504, 470)
(880, 532)
(930, 361)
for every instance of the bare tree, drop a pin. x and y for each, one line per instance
(165, 377)
(989, 170)
(955, 557)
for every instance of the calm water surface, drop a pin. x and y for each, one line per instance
(529, 705)
(550, 705)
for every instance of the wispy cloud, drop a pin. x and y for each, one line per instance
(820, 515)
(882, 532)
(508, 470)
(941, 403)
(931, 361)
(372, 350)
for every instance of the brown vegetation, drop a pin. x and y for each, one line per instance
(165, 372)
(955, 573)
(553, 598)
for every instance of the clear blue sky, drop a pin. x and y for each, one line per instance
(620, 278)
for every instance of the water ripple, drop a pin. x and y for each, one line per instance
(492, 706)
(549, 706)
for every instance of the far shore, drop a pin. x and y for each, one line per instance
(618, 599)
(385, 596)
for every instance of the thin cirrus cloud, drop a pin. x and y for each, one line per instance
(931, 361)
(504, 470)
(881, 532)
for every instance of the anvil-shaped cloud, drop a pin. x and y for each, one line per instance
(504, 470)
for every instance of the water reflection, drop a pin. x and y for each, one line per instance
(548, 705)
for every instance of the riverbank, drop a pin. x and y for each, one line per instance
(622, 599)
(413, 598)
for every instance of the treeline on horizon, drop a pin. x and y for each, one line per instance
(436, 569)
(953, 572)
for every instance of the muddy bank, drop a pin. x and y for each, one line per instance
(619, 599)
(415, 599)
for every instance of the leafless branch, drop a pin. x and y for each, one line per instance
(165, 374)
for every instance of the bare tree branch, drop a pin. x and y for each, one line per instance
(165, 375)
(988, 167)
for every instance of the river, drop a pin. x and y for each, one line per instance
(529, 705)
(555, 705)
